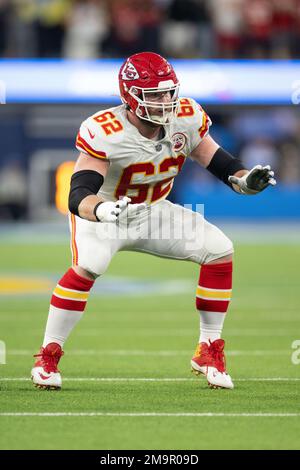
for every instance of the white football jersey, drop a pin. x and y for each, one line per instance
(141, 168)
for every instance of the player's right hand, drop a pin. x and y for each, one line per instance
(110, 211)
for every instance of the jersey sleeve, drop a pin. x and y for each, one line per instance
(196, 122)
(90, 141)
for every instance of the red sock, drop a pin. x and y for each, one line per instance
(71, 292)
(68, 302)
(214, 287)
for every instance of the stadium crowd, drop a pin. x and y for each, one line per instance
(175, 28)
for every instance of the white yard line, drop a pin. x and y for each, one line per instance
(201, 415)
(169, 332)
(129, 352)
(153, 379)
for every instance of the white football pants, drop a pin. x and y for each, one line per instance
(163, 229)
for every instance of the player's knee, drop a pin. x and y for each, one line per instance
(93, 263)
(84, 273)
(217, 244)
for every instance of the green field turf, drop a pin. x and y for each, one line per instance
(151, 334)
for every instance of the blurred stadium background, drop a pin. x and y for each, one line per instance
(253, 104)
(240, 60)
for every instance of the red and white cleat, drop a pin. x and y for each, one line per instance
(209, 360)
(45, 374)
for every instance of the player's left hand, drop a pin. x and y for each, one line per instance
(255, 181)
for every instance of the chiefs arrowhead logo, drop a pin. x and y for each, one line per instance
(129, 72)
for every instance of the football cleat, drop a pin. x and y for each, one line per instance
(209, 360)
(45, 374)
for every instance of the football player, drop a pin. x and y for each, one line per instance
(129, 157)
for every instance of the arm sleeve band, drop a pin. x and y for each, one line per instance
(83, 183)
(223, 165)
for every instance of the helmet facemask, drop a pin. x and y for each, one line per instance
(146, 108)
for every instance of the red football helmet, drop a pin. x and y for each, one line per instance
(143, 76)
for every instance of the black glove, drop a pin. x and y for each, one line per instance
(255, 181)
